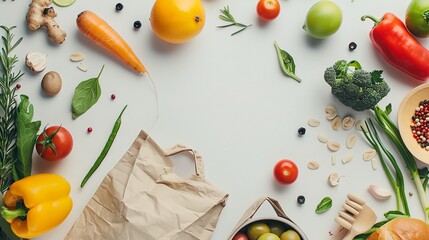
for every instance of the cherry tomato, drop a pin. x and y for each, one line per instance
(240, 236)
(268, 9)
(54, 143)
(286, 171)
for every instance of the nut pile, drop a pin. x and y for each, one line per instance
(337, 123)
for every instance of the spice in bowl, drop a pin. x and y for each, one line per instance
(420, 124)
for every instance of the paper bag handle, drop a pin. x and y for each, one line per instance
(198, 160)
(254, 208)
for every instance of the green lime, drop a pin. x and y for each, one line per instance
(63, 3)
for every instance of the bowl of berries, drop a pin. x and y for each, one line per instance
(413, 122)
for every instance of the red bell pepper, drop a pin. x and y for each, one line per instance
(398, 47)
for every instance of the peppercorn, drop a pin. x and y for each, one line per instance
(119, 6)
(420, 124)
(137, 24)
(352, 46)
(300, 199)
(301, 131)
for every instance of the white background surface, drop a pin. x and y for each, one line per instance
(224, 96)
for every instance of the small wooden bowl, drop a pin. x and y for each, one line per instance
(405, 113)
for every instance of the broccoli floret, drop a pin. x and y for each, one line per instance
(356, 88)
(330, 75)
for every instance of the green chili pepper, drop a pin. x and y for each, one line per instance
(105, 149)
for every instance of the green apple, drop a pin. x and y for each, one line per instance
(277, 227)
(290, 235)
(256, 229)
(269, 236)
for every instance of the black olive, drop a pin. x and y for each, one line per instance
(137, 24)
(300, 199)
(301, 131)
(352, 46)
(119, 6)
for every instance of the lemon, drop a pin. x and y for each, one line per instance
(177, 21)
(63, 3)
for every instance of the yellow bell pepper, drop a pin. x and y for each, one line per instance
(37, 204)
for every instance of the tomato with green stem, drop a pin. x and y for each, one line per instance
(54, 143)
(268, 9)
(285, 171)
(417, 18)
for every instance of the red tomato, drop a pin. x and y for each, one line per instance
(240, 236)
(268, 9)
(54, 143)
(286, 171)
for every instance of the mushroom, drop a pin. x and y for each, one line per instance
(51, 83)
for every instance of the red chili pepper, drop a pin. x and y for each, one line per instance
(398, 47)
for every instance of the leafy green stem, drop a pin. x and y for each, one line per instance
(392, 132)
(396, 182)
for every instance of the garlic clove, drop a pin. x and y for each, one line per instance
(36, 62)
(77, 57)
(334, 179)
(313, 165)
(379, 193)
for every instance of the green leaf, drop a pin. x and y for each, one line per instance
(86, 95)
(376, 76)
(388, 109)
(324, 205)
(26, 138)
(287, 64)
(354, 64)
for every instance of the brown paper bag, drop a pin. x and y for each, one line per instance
(247, 217)
(141, 198)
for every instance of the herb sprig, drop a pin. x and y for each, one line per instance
(8, 107)
(227, 17)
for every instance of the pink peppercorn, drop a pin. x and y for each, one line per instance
(89, 130)
(420, 126)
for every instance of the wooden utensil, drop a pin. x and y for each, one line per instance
(356, 217)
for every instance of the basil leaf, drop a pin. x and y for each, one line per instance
(324, 205)
(25, 139)
(287, 64)
(86, 95)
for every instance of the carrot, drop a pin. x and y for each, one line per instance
(98, 31)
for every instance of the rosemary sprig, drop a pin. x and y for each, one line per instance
(8, 107)
(227, 17)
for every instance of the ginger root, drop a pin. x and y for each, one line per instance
(40, 14)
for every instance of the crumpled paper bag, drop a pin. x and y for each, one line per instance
(142, 198)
